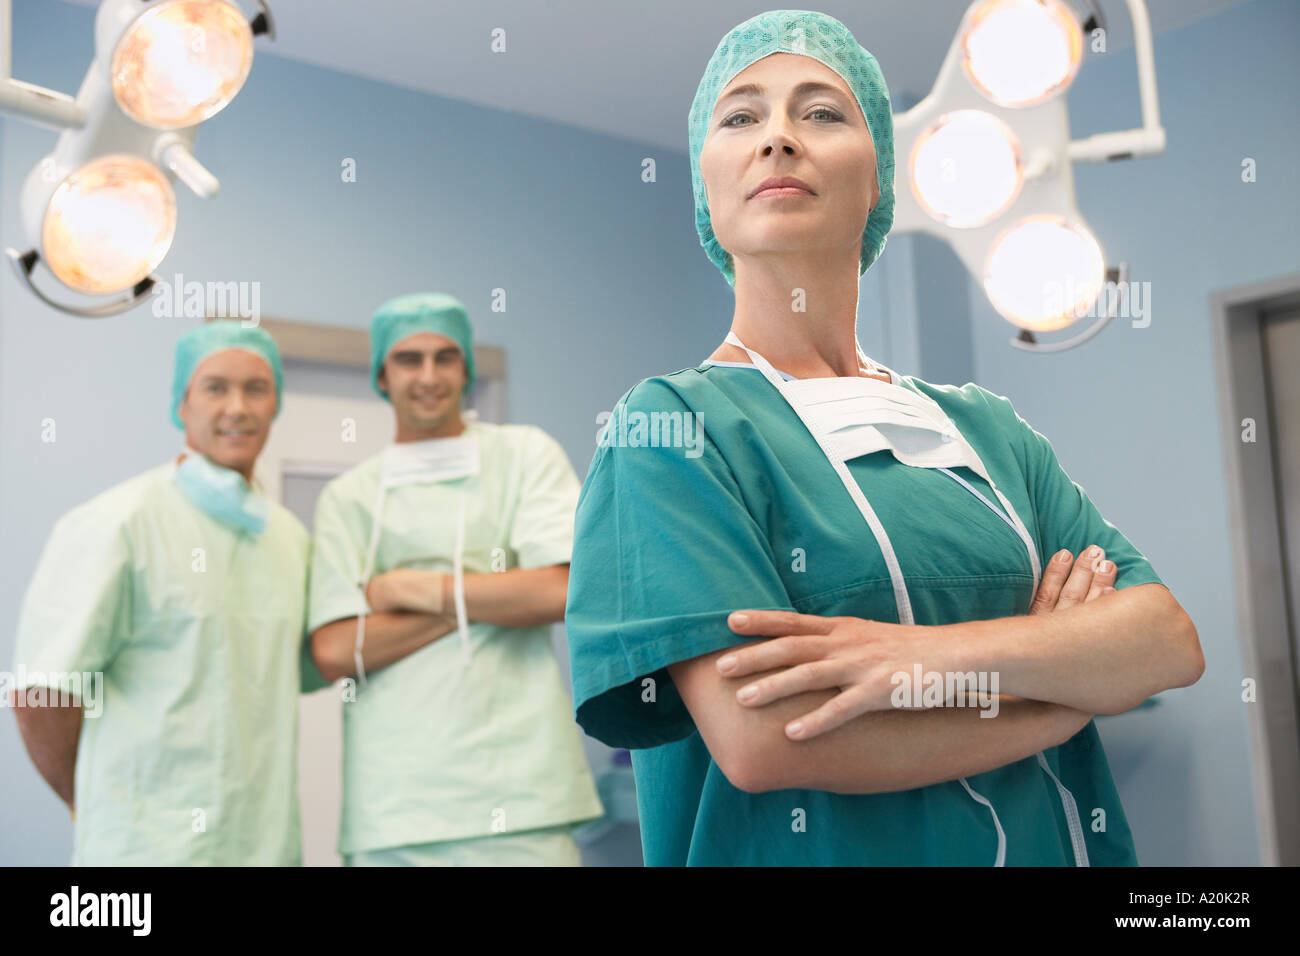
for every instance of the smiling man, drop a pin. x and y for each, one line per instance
(186, 588)
(459, 750)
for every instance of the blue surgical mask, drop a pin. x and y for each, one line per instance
(221, 493)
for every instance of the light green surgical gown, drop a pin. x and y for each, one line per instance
(667, 545)
(198, 629)
(431, 751)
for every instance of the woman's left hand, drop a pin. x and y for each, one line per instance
(858, 657)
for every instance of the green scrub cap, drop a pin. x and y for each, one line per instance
(828, 41)
(419, 312)
(217, 336)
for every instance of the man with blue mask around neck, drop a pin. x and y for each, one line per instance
(225, 405)
(184, 589)
(459, 751)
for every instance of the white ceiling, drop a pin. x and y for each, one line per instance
(626, 68)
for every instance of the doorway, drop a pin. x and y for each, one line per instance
(1257, 352)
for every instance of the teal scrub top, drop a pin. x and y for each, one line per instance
(198, 630)
(433, 751)
(667, 545)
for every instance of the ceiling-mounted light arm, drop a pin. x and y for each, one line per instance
(1150, 139)
(263, 23)
(1119, 276)
(24, 264)
(46, 107)
(172, 152)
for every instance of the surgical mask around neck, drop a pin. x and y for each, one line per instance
(429, 462)
(858, 416)
(855, 416)
(221, 493)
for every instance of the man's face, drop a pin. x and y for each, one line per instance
(228, 407)
(424, 376)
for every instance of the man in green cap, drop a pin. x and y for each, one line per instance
(161, 639)
(460, 751)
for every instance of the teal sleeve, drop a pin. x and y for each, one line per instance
(76, 614)
(666, 546)
(1066, 516)
(541, 533)
(337, 554)
(309, 674)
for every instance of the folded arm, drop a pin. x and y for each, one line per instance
(520, 597)
(877, 752)
(389, 638)
(1104, 657)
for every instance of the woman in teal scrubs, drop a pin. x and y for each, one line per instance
(754, 483)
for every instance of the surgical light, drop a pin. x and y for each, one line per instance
(109, 224)
(181, 62)
(1021, 52)
(990, 163)
(100, 210)
(1044, 273)
(966, 168)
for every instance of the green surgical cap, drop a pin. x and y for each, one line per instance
(419, 312)
(216, 336)
(828, 41)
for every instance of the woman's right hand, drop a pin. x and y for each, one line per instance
(1066, 583)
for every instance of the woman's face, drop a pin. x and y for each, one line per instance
(788, 115)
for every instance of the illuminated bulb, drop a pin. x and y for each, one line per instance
(966, 168)
(109, 224)
(1021, 52)
(181, 62)
(1044, 273)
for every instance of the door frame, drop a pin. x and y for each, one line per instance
(1258, 558)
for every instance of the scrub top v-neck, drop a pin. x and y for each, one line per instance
(670, 540)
